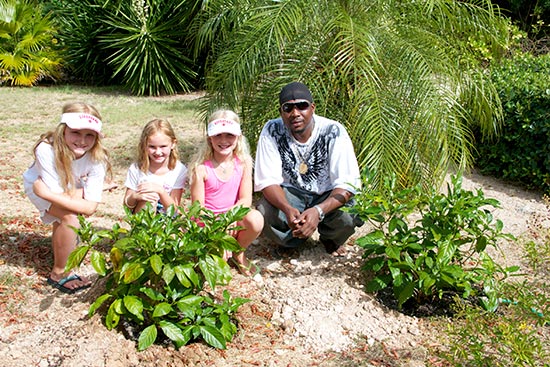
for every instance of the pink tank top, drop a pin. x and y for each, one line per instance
(220, 196)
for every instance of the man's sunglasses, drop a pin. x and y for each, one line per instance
(288, 106)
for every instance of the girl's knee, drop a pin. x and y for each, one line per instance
(254, 220)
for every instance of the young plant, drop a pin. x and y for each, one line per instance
(158, 272)
(443, 250)
(518, 334)
(515, 336)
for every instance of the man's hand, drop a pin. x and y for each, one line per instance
(306, 224)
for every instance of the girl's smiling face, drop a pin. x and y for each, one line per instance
(159, 147)
(224, 143)
(80, 141)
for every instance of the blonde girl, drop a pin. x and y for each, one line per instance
(221, 178)
(158, 177)
(65, 180)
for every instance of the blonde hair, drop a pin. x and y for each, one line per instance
(206, 151)
(64, 156)
(153, 127)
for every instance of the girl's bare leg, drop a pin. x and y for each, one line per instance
(64, 241)
(253, 223)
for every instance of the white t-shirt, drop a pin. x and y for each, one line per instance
(88, 175)
(173, 179)
(328, 155)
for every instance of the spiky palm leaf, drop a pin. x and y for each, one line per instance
(79, 24)
(393, 71)
(148, 42)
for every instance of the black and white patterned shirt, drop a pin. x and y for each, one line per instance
(326, 161)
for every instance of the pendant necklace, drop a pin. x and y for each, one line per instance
(302, 167)
(224, 168)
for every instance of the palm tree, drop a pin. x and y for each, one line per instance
(397, 73)
(26, 44)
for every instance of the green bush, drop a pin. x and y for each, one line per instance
(443, 251)
(28, 50)
(158, 270)
(522, 153)
(140, 44)
(79, 24)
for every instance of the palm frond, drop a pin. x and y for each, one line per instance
(397, 73)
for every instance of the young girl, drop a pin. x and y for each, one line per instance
(65, 180)
(158, 177)
(221, 178)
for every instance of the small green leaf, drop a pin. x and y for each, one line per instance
(174, 333)
(374, 263)
(156, 263)
(133, 272)
(134, 305)
(151, 293)
(116, 256)
(512, 269)
(98, 262)
(168, 273)
(147, 337)
(481, 244)
(404, 293)
(393, 252)
(76, 257)
(212, 336)
(113, 317)
(97, 303)
(377, 283)
(186, 274)
(210, 270)
(162, 309)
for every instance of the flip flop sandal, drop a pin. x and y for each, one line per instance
(60, 284)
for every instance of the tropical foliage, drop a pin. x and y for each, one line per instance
(27, 44)
(148, 46)
(394, 72)
(79, 24)
(140, 44)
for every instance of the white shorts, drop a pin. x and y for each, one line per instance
(42, 205)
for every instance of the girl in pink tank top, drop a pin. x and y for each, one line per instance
(221, 178)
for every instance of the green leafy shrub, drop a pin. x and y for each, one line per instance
(522, 153)
(441, 251)
(28, 52)
(158, 270)
(517, 334)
